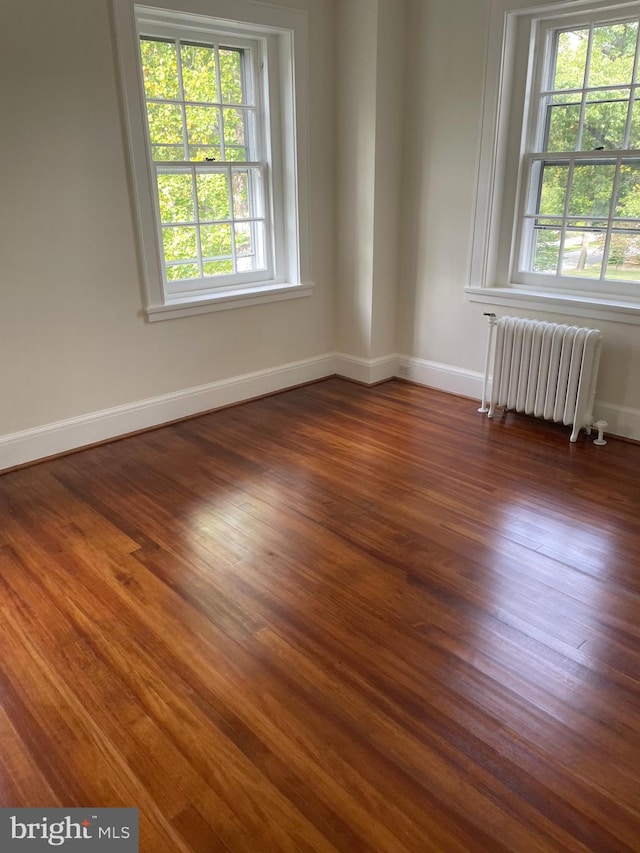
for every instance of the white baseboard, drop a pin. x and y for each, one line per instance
(621, 420)
(366, 370)
(72, 433)
(445, 377)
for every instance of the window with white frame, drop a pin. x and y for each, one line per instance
(563, 200)
(581, 217)
(208, 159)
(217, 138)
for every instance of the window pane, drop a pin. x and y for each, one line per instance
(634, 136)
(582, 253)
(199, 73)
(627, 224)
(591, 190)
(179, 272)
(213, 196)
(235, 155)
(247, 193)
(546, 250)
(612, 54)
(179, 243)
(605, 119)
(608, 95)
(563, 122)
(165, 123)
(160, 69)
(624, 257)
(553, 190)
(244, 243)
(215, 240)
(234, 127)
(240, 182)
(586, 224)
(167, 152)
(249, 238)
(175, 197)
(203, 126)
(231, 76)
(202, 153)
(217, 267)
(628, 196)
(571, 58)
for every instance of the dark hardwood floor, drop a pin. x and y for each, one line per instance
(340, 618)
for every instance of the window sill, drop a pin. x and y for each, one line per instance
(576, 305)
(224, 300)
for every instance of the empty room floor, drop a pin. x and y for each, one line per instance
(335, 619)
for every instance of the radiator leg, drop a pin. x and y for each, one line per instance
(600, 426)
(483, 406)
(575, 433)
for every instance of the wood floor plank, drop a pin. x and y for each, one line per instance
(335, 619)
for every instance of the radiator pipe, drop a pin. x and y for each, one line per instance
(492, 322)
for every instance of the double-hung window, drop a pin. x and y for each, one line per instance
(581, 217)
(215, 110)
(563, 216)
(208, 160)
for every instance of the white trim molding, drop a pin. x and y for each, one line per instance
(366, 370)
(573, 305)
(621, 420)
(225, 301)
(444, 377)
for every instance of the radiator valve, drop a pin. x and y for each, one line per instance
(600, 426)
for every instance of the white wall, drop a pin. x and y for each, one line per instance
(443, 96)
(445, 53)
(390, 80)
(369, 140)
(72, 337)
(357, 36)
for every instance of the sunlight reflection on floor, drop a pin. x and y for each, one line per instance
(578, 543)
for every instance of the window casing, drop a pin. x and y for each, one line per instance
(557, 217)
(215, 111)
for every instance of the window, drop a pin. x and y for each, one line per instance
(207, 158)
(582, 211)
(217, 138)
(562, 190)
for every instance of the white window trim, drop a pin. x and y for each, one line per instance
(286, 31)
(498, 173)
